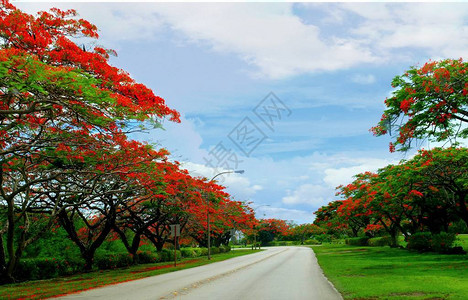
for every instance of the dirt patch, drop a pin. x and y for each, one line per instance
(411, 294)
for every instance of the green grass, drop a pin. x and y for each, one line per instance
(71, 284)
(462, 240)
(387, 273)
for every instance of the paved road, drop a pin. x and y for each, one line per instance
(278, 273)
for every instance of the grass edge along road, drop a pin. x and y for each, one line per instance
(80, 282)
(392, 273)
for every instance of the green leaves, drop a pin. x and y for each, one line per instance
(429, 102)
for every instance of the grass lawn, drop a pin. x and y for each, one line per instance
(386, 273)
(65, 285)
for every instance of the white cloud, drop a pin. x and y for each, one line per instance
(363, 79)
(237, 185)
(311, 194)
(116, 22)
(439, 28)
(344, 175)
(296, 215)
(278, 43)
(269, 37)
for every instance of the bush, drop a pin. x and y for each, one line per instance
(168, 255)
(442, 242)
(312, 242)
(426, 241)
(225, 248)
(113, 260)
(44, 268)
(323, 238)
(284, 243)
(419, 241)
(215, 250)
(198, 251)
(358, 241)
(380, 241)
(188, 252)
(146, 257)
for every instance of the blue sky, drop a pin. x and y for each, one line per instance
(330, 64)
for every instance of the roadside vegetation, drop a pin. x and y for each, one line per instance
(75, 283)
(392, 273)
(401, 232)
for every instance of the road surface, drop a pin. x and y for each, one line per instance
(277, 273)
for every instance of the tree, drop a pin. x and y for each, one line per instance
(52, 93)
(429, 102)
(305, 231)
(269, 229)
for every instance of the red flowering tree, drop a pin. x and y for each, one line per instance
(429, 102)
(269, 229)
(305, 231)
(445, 173)
(225, 214)
(327, 217)
(354, 209)
(92, 199)
(54, 92)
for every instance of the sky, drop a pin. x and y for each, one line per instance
(286, 92)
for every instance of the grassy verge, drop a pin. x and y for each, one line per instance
(386, 273)
(65, 285)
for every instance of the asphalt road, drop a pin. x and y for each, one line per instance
(278, 273)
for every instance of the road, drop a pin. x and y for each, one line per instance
(277, 273)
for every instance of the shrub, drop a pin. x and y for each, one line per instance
(168, 255)
(44, 268)
(358, 241)
(323, 238)
(146, 257)
(420, 241)
(215, 250)
(113, 260)
(312, 242)
(188, 252)
(198, 251)
(225, 248)
(204, 251)
(379, 241)
(442, 242)
(425, 241)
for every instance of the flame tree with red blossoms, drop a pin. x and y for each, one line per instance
(429, 102)
(52, 92)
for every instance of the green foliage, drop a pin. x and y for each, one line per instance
(426, 241)
(420, 241)
(312, 242)
(380, 241)
(323, 238)
(225, 248)
(44, 268)
(358, 241)
(113, 261)
(428, 102)
(458, 227)
(443, 242)
(147, 257)
(44, 289)
(168, 255)
(52, 244)
(188, 252)
(284, 243)
(203, 251)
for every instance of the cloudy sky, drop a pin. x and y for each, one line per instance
(286, 92)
